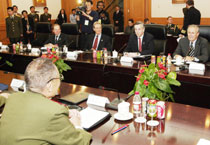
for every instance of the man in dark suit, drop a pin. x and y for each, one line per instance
(98, 41)
(192, 16)
(193, 47)
(45, 17)
(14, 26)
(118, 19)
(57, 39)
(140, 41)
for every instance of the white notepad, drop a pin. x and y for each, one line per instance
(91, 117)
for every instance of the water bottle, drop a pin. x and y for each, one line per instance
(105, 53)
(136, 104)
(169, 60)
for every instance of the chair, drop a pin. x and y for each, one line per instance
(71, 30)
(43, 30)
(205, 33)
(108, 29)
(159, 33)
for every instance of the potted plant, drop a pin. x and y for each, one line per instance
(60, 64)
(154, 82)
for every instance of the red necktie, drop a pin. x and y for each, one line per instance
(140, 49)
(95, 43)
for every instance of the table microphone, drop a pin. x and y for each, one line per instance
(114, 104)
(121, 48)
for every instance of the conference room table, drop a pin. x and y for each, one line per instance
(183, 124)
(113, 74)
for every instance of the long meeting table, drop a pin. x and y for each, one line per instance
(112, 74)
(183, 124)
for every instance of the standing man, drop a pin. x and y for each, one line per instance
(34, 16)
(14, 26)
(86, 20)
(15, 10)
(73, 16)
(98, 41)
(45, 17)
(193, 47)
(172, 29)
(140, 41)
(118, 19)
(103, 15)
(192, 16)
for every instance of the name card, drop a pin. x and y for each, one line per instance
(97, 100)
(72, 55)
(126, 59)
(18, 85)
(196, 66)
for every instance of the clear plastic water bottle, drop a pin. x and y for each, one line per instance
(169, 60)
(105, 53)
(136, 104)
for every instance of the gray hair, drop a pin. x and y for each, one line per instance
(139, 23)
(39, 72)
(194, 26)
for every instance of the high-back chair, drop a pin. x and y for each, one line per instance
(72, 32)
(108, 29)
(43, 30)
(205, 33)
(159, 33)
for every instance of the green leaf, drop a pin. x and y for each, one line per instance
(173, 82)
(163, 85)
(172, 75)
(131, 92)
(9, 63)
(171, 97)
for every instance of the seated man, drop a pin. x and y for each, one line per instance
(193, 47)
(32, 118)
(98, 41)
(140, 41)
(129, 29)
(57, 39)
(172, 29)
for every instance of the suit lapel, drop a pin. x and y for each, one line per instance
(197, 46)
(101, 42)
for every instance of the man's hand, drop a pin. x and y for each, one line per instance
(5, 95)
(189, 58)
(75, 117)
(177, 56)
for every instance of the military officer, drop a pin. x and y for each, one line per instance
(15, 9)
(45, 17)
(172, 29)
(14, 26)
(34, 16)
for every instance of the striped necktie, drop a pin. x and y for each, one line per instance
(191, 50)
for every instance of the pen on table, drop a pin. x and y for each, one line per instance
(119, 129)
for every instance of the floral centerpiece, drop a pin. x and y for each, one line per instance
(60, 64)
(154, 82)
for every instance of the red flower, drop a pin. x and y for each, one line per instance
(165, 73)
(146, 83)
(44, 56)
(138, 78)
(162, 76)
(51, 56)
(161, 66)
(141, 71)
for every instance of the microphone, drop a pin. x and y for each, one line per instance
(114, 104)
(121, 48)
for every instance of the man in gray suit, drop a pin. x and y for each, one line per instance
(193, 47)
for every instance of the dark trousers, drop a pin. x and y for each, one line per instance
(14, 40)
(83, 40)
(28, 38)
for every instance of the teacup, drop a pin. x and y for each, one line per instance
(179, 60)
(123, 108)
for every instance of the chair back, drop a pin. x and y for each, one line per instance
(159, 33)
(205, 33)
(72, 32)
(108, 29)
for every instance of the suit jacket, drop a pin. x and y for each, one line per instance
(129, 30)
(2, 101)
(201, 48)
(62, 40)
(192, 16)
(147, 44)
(60, 20)
(105, 42)
(14, 27)
(45, 18)
(120, 18)
(31, 119)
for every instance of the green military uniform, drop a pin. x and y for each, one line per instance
(14, 28)
(45, 17)
(35, 18)
(2, 101)
(32, 119)
(172, 29)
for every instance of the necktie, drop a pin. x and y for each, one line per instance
(95, 43)
(56, 39)
(191, 50)
(140, 48)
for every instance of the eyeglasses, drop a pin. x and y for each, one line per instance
(52, 79)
